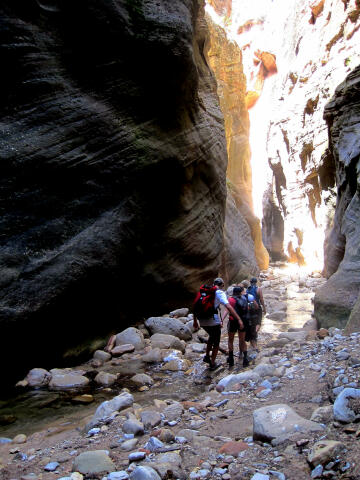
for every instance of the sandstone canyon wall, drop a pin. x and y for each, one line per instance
(316, 47)
(295, 53)
(225, 59)
(337, 303)
(113, 168)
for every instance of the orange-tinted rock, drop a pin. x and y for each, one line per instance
(251, 99)
(316, 10)
(233, 448)
(222, 7)
(225, 59)
(269, 62)
(322, 333)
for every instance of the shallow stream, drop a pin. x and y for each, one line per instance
(37, 410)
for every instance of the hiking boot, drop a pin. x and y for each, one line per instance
(214, 366)
(230, 359)
(206, 359)
(246, 362)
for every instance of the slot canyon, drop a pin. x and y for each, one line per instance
(179, 142)
(148, 147)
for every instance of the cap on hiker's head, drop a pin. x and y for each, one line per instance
(253, 280)
(219, 281)
(237, 290)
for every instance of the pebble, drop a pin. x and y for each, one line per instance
(277, 475)
(260, 476)
(51, 467)
(154, 444)
(121, 475)
(317, 472)
(136, 456)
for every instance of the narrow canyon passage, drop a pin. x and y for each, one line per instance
(147, 148)
(289, 299)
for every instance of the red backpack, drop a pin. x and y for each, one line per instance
(204, 302)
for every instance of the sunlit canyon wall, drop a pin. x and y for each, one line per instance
(225, 59)
(294, 54)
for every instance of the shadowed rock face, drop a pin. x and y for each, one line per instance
(334, 302)
(113, 163)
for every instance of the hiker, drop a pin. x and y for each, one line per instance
(255, 316)
(212, 322)
(239, 302)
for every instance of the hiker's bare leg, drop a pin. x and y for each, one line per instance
(214, 354)
(231, 341)
(242, 343)
(110, 344)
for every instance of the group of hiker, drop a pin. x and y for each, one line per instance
(244, 307)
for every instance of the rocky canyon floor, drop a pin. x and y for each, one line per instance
(153, 410)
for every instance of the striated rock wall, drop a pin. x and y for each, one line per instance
(225, 59)
(335, 301)
(113, 161)
(316, 48)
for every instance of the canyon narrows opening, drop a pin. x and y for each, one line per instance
(147, 147)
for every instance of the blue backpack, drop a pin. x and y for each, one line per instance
(253, 290)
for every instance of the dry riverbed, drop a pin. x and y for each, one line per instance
(290, 415)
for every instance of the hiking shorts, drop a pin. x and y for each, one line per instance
(233, 326)
(214, 333)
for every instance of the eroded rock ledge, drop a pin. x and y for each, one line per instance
(334, 301)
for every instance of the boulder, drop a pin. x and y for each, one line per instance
(168, 326)
(150, 419)
(173, 411)
(342, 410)
(177, 365)
(324, 451)
(166, 435)
(141, 379)
(230, 380)
(20, 438)
(293, 336)
(279, 315)
(169, 464)
(134, 426)
(278, 342)
(105, 379)
(144, 473)
(265, 370)
(160, 340)
(38, 377)
(153, 356)
(323, 414)
(129, 445)
(131, 335)
(68, 382)
(121, 349)
(93, 462)
(102, 356)
(278, 423)
(105, 409)
(180, 312)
